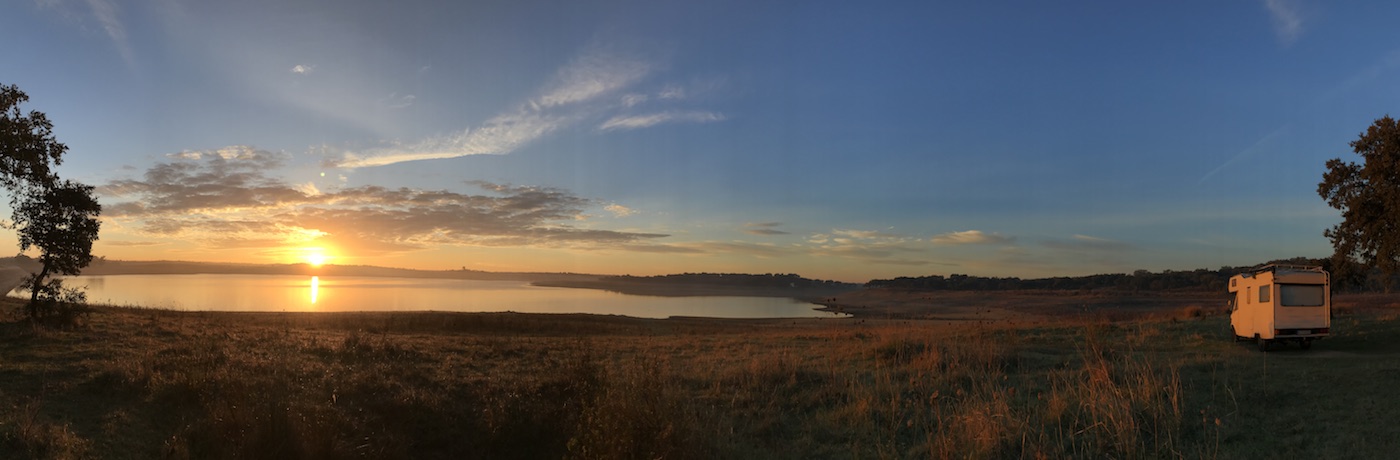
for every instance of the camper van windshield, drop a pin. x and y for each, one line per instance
(1302, 295)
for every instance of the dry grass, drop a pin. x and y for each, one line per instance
(159, 384)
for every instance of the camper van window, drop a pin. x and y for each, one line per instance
(1302, 295)
(1264, 293)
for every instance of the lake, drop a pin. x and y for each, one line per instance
(344, 293)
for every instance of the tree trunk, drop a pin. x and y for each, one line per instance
(34, 291)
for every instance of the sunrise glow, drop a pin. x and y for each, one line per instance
(316, 257)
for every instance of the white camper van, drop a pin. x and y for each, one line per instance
(1280, 303)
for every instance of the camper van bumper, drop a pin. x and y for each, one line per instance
(1300, 333)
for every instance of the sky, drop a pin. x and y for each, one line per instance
(836, 140)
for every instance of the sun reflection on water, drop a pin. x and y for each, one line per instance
(315, 286)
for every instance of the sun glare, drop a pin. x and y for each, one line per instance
(316, 257)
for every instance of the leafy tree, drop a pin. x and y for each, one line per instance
(56, 216)
(60, 220)
(1368, 194)
(28, 150)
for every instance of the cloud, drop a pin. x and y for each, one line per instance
(303, 69)
(663, 249)
(1087, 243)
(395, 101)
(594, 73)
(633, 99)
(971, 237)
(225, 199)
(653, 119)
(1259, 146)
(618, 210)
(1287, 20)
(867, 245)
(761, 250)
(131, 243)
(585, 89)
(106, 13)
(108, 18)
(564, 102)
(764, 229)
(671, 92)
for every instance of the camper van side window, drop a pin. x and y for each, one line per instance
(1302, 295)
(1264, 293)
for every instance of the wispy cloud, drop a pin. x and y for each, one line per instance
(872, 246)
(587, 88)
(595, 73)
(971, 237)
(618, 210)
(742, 248)
(566, 100)
(1287, 19)
(1088, 243)
(630, 100)
(764, 229)
(303, 69)
(398, 101)
(1258, 147)
(653, 119)
(226, 198)
(500, 135)
(672, 92)
(108, 18)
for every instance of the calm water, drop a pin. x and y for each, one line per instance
(302, 293)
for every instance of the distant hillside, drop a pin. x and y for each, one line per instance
(713, 284)
(122, 267)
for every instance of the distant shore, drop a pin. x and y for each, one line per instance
(806, 294)
(122, 267)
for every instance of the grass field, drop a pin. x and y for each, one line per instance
(139, 383)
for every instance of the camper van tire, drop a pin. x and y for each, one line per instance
(1263, 345)
(1306, 344)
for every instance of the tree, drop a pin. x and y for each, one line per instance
(28, 150)
(1368, 195)
(56, 216)
(61, 221)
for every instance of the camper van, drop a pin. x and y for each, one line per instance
(1281, 303)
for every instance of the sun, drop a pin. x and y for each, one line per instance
(316, 257)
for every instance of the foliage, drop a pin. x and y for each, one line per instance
(1368, 194)
(27, 145)
(57, 216)
(62, 222)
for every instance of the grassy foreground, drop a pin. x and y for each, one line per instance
(160, 384)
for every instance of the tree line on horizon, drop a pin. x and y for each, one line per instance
(768, 280)
(1354, 278)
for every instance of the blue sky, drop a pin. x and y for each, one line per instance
(834, 140)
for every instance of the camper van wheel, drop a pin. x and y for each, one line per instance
(1263, 345)
(1306, 344)
(1236, 335)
